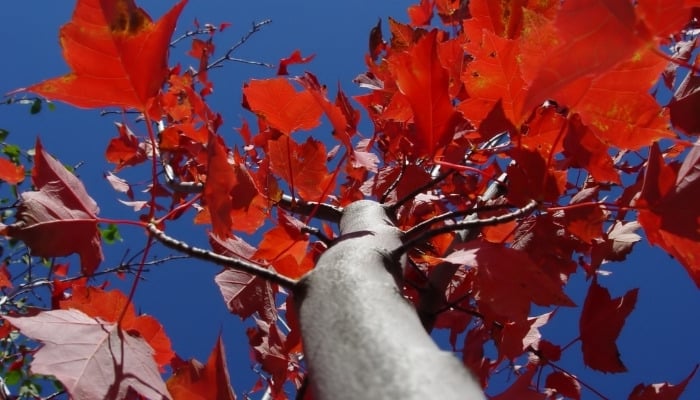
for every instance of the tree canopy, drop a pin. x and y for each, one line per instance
(509, 145)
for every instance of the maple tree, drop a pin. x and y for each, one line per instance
(512, 144)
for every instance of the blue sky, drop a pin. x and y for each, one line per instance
(657, 344)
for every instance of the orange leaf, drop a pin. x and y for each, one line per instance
(294, 58)
(194, 381)
(283, 108)
(302, 167)
(60, 205)
(109, 306)
(11, 172)
(602, 319)
(117, 55)
(125, 150)
(425, 83)
(5, 278)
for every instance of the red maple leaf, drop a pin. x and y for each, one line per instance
(507, 281)
(60, 205)
(303, 167)
(194, 381)
(336, 115)
(285, 247)
(616, 104)
(492, 79)
(117, 55)
(424, 82)
(104, 363)
(594, 35)
(602, 319)
(232, 200)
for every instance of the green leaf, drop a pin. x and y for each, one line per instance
(3, 134)
(12, 151)
(30, 389)
(36, 107)
(13, 377)
(110, 234)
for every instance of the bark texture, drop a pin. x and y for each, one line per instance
(362, 339)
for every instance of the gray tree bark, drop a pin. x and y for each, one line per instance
(362, 339)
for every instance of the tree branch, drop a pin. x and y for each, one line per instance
(326, 212)
(451, 214)
(226, 262)
(495, 220)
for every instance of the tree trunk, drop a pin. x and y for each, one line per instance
(362, 339)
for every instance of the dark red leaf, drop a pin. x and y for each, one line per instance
(60, 205)
(661, 391)
(602, 319)
(564, 384)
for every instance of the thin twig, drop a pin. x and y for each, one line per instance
(450, 215)
(393, 184)
(394, 207)
(227, 262)
(227, 57)
(207, 30)
(495, 220)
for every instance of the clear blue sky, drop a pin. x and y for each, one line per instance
(657, 344)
